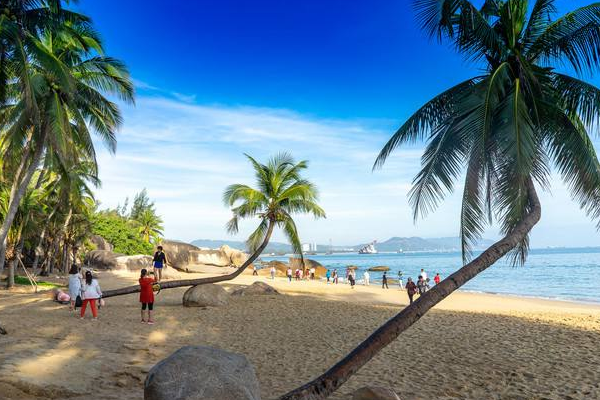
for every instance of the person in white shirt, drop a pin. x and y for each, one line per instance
(366, 278)
(90, 292)
(74, 285)
(423, 274)
(273, 270)
(289, 273)
(312, 273)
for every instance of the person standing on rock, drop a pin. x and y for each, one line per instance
(146, 295)
(159, 261)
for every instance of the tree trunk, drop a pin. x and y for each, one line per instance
(201, 281)
(40, 244)
(65, 236)
(17, 195)
(332, 379)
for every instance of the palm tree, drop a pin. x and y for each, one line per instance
(280, 193)
(69, 74)
(149, 225)
(507, 127)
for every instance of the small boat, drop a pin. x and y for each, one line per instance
(368, 249)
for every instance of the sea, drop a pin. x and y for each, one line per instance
(555, 273)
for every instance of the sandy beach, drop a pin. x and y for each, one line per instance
(472, 346)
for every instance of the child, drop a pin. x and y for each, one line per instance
(90, 293)
(146, 295)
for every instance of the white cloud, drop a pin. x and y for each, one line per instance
(185, 155)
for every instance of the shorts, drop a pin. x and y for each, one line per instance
(150, 306)
(158, 264)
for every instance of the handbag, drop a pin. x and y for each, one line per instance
(78, 301)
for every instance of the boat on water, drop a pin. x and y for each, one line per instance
(368, 249)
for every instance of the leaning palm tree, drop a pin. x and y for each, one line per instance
(507, 128)
(280, 193)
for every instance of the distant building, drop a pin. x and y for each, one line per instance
(305, 247)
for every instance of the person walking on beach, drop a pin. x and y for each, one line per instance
(255, 270)
(423, 274)
(384, 282)
(273, 270)
(297, 274)
(328, 276)
(437, 278)
(312, 273)
(411, 289)
(289, 273)
(74, 285)
(366, 277)
(335, 276)
(421, 285)
(400, 283)
(351, 279)
(146, 295)
(159, 262)
(91, 292)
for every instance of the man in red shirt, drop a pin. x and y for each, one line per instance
(437, 278)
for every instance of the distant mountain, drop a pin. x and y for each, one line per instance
(391, 245)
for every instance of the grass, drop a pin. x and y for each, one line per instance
(22, 280)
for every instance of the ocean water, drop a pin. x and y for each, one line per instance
(565, 274)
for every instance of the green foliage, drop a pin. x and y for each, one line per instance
(120, 232)
(23, 280)
(281, 192)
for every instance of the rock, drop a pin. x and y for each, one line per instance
(178, 253)
(101, 259)
(101, 243)
(189, 258)
(202, 373)
(256, 289)
(134, 263)
(375, 393)
(280, 268)
(380, 268)
(320, 270)
(3, 331)
(236, 257)
(210, 295)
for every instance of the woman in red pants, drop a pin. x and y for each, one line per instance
(90, 293)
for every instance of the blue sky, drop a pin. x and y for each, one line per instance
(327, 81)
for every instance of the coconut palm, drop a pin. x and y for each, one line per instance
(69, 75)
(149, 225)
(505, 130)
(280, 193)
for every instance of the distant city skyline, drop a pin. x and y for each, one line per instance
(327, 81)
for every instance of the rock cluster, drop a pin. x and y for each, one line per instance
(210, 295)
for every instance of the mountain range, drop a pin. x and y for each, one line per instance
(393, 244)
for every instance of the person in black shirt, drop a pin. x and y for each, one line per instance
(159, 261)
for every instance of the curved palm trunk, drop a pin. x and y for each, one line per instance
(201, 281)
(332, 379)
(17, 192)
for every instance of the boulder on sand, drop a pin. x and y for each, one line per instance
(256, 289)
(380, 268)
(134, 263)
(101, 259)
(320, 270)
(202, 373)
(210, 295)
(236, 257)
(3, 331)
(375, 393)
(178, 253)
(101, 243)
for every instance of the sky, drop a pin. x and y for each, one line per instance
(327, 81)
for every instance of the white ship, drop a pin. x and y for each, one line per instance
(368, 249)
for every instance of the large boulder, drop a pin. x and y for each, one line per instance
(202, 373)
(375, 393)
(320, 270)
(134, 263)
(101, 243)
(280, 268)
(256, 289)
(101, 259)
(236, 257)
(210, 295)
(178, 253)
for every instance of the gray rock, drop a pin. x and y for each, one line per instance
(101, 243)
(202, 373)
(257, 288)
(101, 259)
(3, 331)
(134, 263)
(375, 393)
(210, 295)
(178, 253)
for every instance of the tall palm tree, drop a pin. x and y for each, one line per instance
(507, 127)
(68, 76)
(280, 193)
(149, 225)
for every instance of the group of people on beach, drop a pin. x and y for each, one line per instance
(84, 289)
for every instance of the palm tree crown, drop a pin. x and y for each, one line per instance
(510, 125)
(280, 193)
